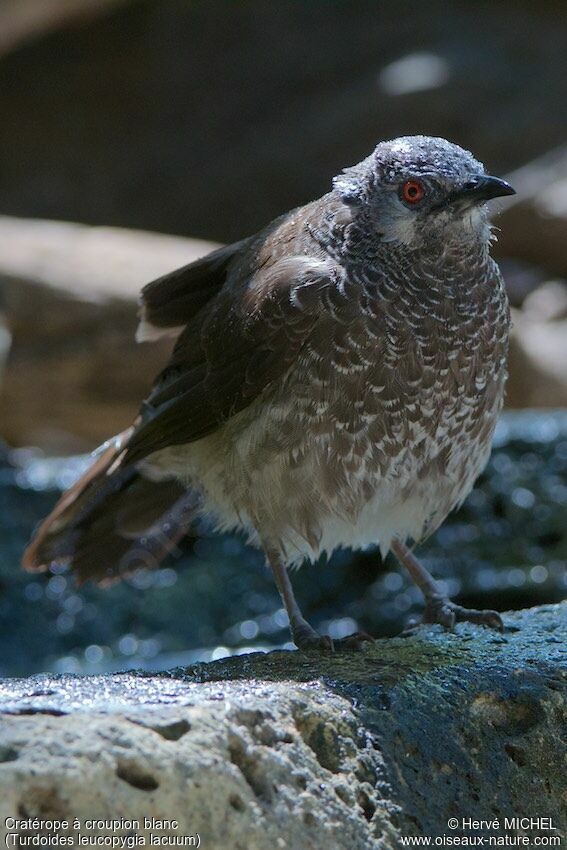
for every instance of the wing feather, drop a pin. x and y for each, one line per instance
(170, 302)
(246, 338)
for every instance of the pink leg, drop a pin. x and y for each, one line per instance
(438, 607)
(304, 636)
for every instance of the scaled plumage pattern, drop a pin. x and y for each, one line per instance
(335, 381)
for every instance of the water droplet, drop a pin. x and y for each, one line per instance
(523, 498)
(393, 582)
(538, 574)
(249, 629)
(94, 654)
(220, 652)
(128, 644)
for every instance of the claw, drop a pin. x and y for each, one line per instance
(443, 614)
(307, 639)
(354, 643)
(492, 619)
(448, 613)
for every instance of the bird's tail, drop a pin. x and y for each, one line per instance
(113, 520)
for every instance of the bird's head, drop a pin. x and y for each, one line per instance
(416, 189)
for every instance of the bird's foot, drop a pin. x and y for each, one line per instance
(353, 643)
(307, 639)
(442, 610)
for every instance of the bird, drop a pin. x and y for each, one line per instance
(335, 381)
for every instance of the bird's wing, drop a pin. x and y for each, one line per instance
(247, 337)
(170, 302)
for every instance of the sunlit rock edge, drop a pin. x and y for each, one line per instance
(302, 751)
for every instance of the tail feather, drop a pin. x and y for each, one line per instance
(102, 551)
(36, 557)
(112, 521)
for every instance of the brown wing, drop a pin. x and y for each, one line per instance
(243, 340)
(171, 301)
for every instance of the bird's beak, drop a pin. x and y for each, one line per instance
(482, 188)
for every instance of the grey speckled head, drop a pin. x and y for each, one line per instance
(424, 155)
(414, 187)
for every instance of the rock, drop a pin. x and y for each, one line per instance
(25, 20)
(293, 750)
(532, 226)
(68, 296)
(521, 278)
(91, 264)
(538, 354)
(531, 230)
(547, 303)
(538, 349)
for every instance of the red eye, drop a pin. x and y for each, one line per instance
(412, 191)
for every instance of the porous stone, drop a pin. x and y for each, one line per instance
(295, 750)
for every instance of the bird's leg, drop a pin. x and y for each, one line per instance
(438, 606)
(304, 636)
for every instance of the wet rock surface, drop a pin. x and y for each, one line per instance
(296, 750)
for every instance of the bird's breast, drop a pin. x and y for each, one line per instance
(408, 390)
(379, 429)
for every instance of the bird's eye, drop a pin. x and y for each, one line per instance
(413, 191)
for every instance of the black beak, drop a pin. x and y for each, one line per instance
(482, 188)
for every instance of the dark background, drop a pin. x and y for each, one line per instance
(209, 118)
